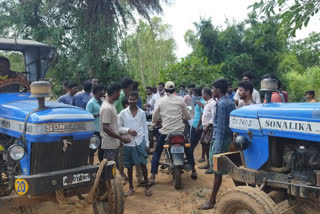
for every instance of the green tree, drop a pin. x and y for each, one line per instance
(87, 33)
(296, 83)
(307, 50)
(251, 46)
(294, 14)
(149, 49)
(191, 70)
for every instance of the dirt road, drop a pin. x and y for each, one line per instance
(165, 198)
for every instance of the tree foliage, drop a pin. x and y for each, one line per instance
(251, 46)
(191, 70)
(149, 49)
(294, 14)
(87, 33)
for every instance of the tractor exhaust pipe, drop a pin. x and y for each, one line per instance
(269, 85)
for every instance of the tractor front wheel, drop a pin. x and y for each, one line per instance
(114, 203)
(245, 200)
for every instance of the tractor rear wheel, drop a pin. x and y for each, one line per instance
(114, 204)
(245, 200)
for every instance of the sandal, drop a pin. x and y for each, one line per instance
(147, 191)
(207, 206)
(129, 193)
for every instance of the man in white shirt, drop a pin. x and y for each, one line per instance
(209, 112)
(134, 153)
(255, 94)
(155, 98)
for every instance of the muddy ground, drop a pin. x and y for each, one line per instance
(165, 198)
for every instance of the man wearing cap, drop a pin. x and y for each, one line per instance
(172, 110)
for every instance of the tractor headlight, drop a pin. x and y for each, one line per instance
(242, 143)
(16, 152)
(94, 142)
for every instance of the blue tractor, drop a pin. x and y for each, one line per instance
(44, 145)
(276, 165)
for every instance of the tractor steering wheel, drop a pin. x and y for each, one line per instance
(22, 85)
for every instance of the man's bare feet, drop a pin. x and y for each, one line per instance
(207, 205)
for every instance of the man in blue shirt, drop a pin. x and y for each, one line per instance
(67, 98)
(222, 134)
(196, 130)
(93, 106)
(81, 99)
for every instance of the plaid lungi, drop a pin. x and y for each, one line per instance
(206, 136)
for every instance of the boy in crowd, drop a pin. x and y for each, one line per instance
(134, 153)
(310, 96)
(255, 94)
(196, 129)
(209, 112)
(67, 98)
(94, 106)
(245, 90)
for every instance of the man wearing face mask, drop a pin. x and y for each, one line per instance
(155, 98)
(182, 91)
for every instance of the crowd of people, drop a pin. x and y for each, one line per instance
(120, 121)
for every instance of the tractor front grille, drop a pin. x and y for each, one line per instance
(48, 157)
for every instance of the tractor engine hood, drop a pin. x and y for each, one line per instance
(47, 125)
(292, 120)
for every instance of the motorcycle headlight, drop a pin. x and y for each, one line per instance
(94, 142)
(16, 152)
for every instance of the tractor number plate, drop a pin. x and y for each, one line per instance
(177, 149)
(76, 179)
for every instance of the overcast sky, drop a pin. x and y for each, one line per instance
(183, 13)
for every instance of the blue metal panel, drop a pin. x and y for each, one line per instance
(291, 111)
(250, 111)
(291, 120)
(257, 153)
(9, 97)
(25, 161)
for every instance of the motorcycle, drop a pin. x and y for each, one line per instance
(174, 147)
